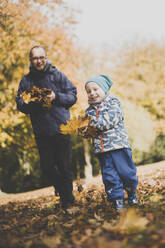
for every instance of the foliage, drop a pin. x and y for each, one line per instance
(9, 166)
(96, 170)
(16, 174)
(78, 159)
(159, 148)
(140, 75)
(140, 126)
(40, 222)
(157, 151)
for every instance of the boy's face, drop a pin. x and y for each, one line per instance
(94, 92)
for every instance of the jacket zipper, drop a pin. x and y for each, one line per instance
(101, 138)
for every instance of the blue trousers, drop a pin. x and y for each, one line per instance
(118, 172)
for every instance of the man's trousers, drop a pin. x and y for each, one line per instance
(55, 162)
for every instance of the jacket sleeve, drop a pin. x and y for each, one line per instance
(110, 117)
(68, 94)
(21, 105)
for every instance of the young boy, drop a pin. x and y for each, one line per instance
(111, 145)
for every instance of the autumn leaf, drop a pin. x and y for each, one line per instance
(73, 210)
(72, 126)
(131, 222)
(81, 127)
(26, 97)
(35, 94)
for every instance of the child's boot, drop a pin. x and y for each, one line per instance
(132, 198)
(118, 204)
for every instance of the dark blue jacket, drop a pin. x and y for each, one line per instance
(46, 122)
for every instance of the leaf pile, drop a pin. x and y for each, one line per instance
(91, 222)
(37, 95)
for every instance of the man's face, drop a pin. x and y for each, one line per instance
(38, 58)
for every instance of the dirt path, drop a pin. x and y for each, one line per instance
(151, 170)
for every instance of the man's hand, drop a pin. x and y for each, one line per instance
(51, 96)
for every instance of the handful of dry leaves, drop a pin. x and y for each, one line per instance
(88, 132)
(80, 126)
(35, 94)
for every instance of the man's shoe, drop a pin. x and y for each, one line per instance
(132, 199)
(118, 204)
(67, 204)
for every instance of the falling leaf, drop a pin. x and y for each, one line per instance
(131, 222)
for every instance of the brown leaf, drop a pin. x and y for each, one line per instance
(72, 126)
(72, 210)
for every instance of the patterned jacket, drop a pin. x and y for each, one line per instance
(108, 118)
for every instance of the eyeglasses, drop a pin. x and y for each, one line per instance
(38, 58)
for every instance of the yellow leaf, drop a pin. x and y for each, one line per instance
(72, 125)
(26, 97)
(129, 222)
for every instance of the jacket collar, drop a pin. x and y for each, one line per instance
(37, 73)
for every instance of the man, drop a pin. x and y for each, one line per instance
(54, 147)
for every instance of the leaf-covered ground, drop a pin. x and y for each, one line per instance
(35, 219)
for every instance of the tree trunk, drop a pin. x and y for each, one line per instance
(88, 166)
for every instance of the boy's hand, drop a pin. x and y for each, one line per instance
(82, 131)
(88, 132)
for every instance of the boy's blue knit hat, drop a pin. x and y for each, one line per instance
(103, 81)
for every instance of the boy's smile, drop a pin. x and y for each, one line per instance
(94, 92)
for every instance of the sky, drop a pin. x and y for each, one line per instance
(119, 21)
